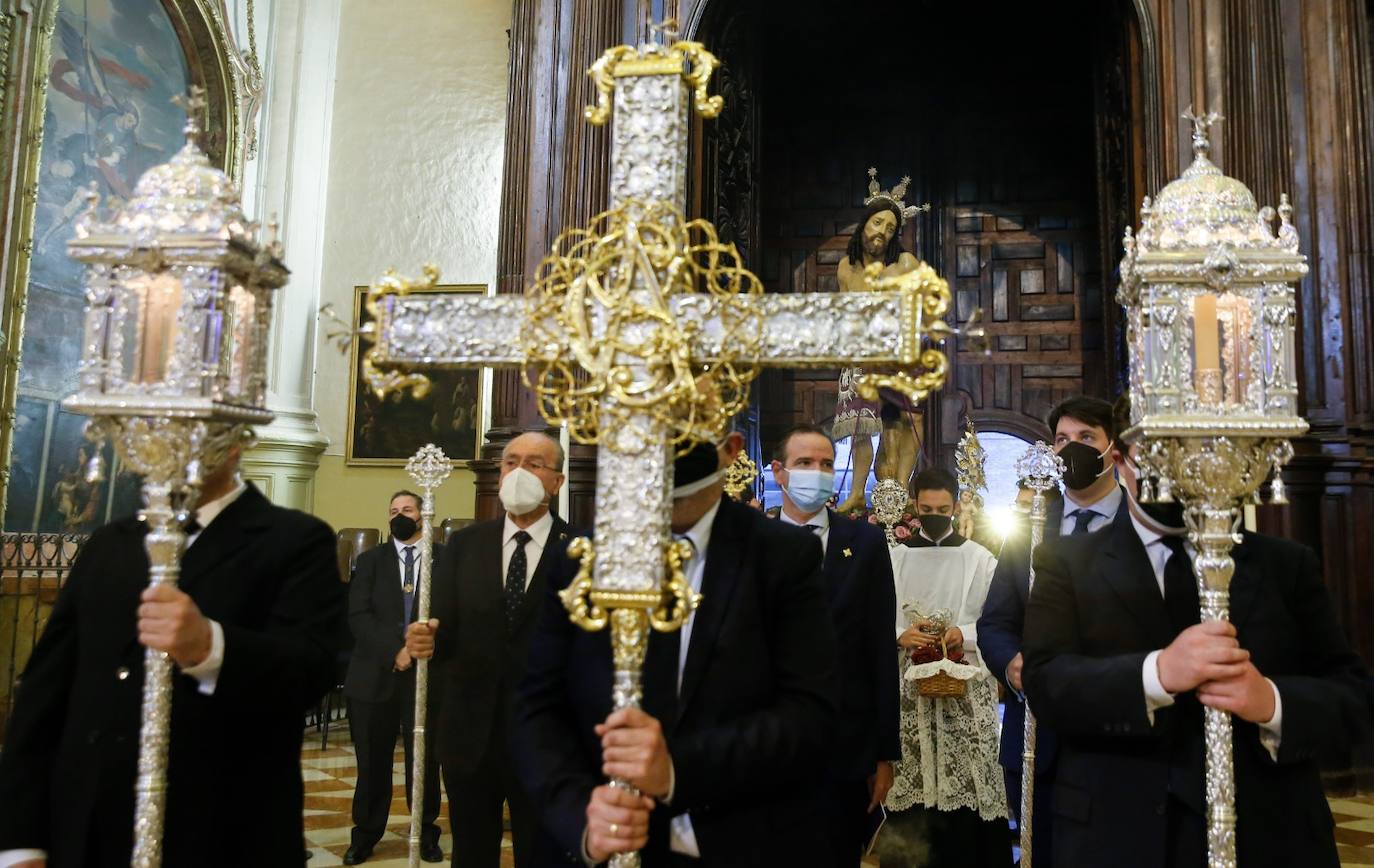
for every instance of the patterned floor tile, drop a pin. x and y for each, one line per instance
(331, 773)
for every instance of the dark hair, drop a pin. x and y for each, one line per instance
(405, 492)
(935, 479)
(855, 251)
(1092, 411)
(780, 453)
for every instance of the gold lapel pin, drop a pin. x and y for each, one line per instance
(849, 553)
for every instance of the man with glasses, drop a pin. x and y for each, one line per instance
(488, 582)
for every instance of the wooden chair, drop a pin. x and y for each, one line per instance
(452, 526)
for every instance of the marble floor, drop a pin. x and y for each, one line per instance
(331, 773)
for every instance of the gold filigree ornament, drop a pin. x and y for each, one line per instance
(740, 475)
(601, 325)
(925, 302)
(691, 60)
(383, 382)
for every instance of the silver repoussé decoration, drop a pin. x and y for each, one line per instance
(428, 467)
(1040, 470)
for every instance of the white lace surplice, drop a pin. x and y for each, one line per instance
(949, 744)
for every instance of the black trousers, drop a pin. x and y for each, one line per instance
(375, 726)
(922, 837)
(1042, 822)
(845, 806)
(476, 794)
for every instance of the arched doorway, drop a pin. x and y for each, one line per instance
(1027, 132)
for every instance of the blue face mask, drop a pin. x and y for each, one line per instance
(810, 489)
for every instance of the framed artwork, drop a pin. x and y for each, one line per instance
(92, 88)
(387, 431)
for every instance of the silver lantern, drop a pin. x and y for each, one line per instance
(179, 293)
(1207, 287)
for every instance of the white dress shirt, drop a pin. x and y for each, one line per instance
(1104, 508)
(1156, 697)
(206, 672)
(820, 520)
(534, 549)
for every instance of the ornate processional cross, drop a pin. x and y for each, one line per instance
(642, 334)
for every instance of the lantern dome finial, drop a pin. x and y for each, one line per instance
(1204, 207)
(185, 195)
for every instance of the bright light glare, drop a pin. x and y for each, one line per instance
(1004, 520)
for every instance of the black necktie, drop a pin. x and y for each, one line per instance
(408, 586)
(1081, 519)
(515, 578)
(1180, 586)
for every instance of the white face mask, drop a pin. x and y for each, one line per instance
(692, 488)
(521, 492)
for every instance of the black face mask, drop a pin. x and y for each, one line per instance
(403, 526)
(695, 464)
(935, 525)
(1082, 466)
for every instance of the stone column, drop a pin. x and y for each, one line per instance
(297, 43)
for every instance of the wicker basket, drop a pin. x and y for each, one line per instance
(941, 684)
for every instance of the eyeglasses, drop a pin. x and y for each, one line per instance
(533, 464)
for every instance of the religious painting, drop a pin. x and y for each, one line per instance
(387, 431)
(107, 118)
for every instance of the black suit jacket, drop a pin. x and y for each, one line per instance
(377, 620)
(1096, 613)
(751, 731)
(857, 572)
(481, 661)
(1000, 629)
(268, 575)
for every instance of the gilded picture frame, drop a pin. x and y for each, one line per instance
(385, 432)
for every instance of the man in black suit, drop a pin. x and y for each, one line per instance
(857, 572)
(1118, 665)
(729, 763)
(253, 630)
(380, 684)
(487, 587)
(1085, 437)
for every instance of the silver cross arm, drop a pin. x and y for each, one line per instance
(802, 330)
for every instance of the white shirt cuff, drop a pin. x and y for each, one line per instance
(17, 857)
(207, 670)
(1156, 697)
(1271, 731)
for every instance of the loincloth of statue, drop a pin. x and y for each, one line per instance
(856, 415)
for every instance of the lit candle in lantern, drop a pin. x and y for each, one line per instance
(1206, 348)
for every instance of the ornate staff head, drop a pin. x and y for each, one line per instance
(890, 500)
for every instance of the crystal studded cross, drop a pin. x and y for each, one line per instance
(642, 334)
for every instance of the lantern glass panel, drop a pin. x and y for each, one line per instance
(152, 303)
(1222, 342)
(239, 333)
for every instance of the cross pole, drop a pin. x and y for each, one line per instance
(429, 467)
(641, 335)
(1040, 470)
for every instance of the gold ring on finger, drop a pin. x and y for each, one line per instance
(614, 829)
